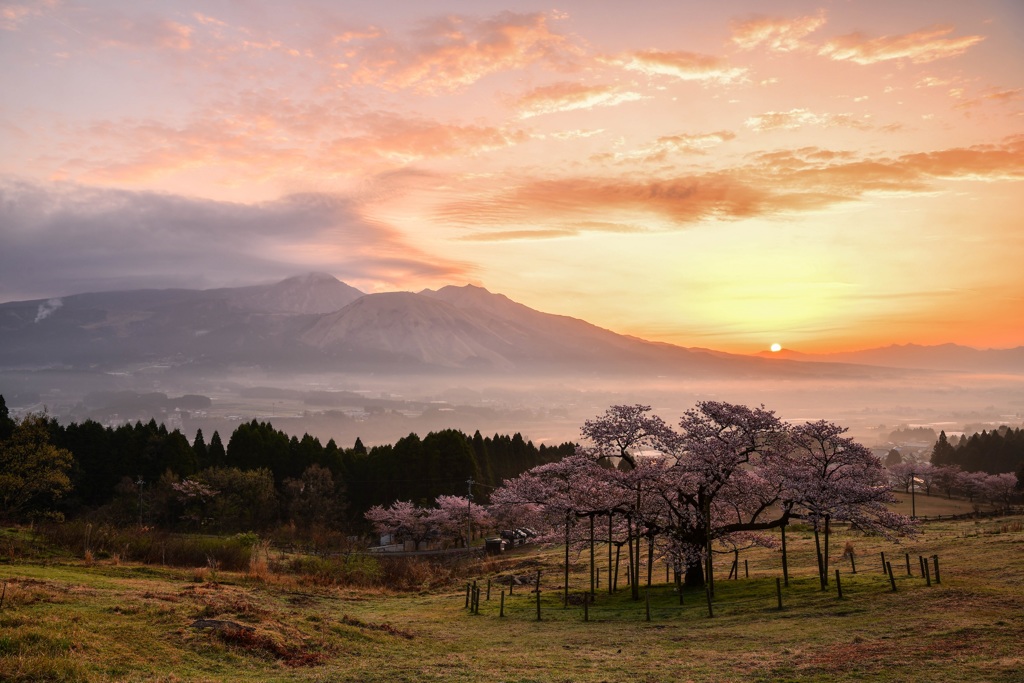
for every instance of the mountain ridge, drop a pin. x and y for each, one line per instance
(317, 321)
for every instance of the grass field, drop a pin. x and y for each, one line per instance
(62, 620)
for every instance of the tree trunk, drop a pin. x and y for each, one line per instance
(565, 597)
(828, 520)
(785, 558)
(592, 587)
(817, 548)
(694, 574)
(634, 589)
(610, 590)
(650, 561)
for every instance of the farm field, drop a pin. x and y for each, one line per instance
(65, 620)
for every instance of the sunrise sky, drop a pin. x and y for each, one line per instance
(823, 175)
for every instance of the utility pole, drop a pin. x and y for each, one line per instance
(469, 510)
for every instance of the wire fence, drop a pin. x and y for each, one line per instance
(544, 597)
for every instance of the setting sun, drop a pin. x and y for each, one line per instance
(776, 347)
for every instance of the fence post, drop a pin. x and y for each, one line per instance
(468, 584)
(488, 590)
(892, 579)
(908, 565)
(883, 563)
(746, 569)
(538, 601)
(853, 565)
(501, 609)
(927, 574)
(839, 586)
(935, 558)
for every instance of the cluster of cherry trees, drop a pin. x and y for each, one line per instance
(975, 486)
(725, 478)
(450, 522)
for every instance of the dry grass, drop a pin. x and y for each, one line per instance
(69, 622)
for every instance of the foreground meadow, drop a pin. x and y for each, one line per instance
(65, 619)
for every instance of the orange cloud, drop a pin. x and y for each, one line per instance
(562, 97)
(405, 140)
(261, 135)
(779, 35)
(667, 145)
(923, 46)
(688, 66)
(455, 52)
(778, 182)
(12, 15)
(798, 118)
(998, 95)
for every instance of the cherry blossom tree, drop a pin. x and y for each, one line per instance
(404, 521)
(728, 475)
(832, 477)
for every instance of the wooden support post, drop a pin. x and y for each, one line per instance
(778, 590)
(598, 577)
(469, 587)
(908, 565)
(892, 579)
(883, 563)
(501, 609)
(746, 569)
(666, 573)
(853, 565)
(927, 574)
(921, 561)
(707, 592)
(488, 590)
(839, 586)
(538, 602)
(935, 559)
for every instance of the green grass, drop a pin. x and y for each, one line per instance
(65, 621)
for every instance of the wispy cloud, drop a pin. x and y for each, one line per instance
(922, 46)
(453, 52)
(665, 146)
(569, 96)
(997, 95)
(776, 34)
(13, 14)
(807, 179)
(687, 66)
(799, 118)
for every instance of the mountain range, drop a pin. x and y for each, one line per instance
(315, 321)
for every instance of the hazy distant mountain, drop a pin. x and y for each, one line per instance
(470, 328)
(311, 293)
(941, 357)
(317, 322)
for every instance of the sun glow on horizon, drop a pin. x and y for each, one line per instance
(776, 347)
